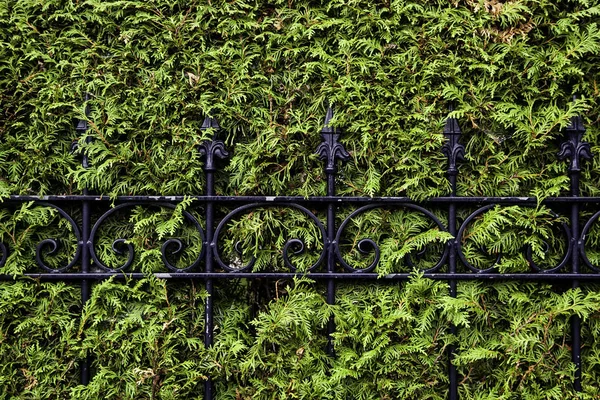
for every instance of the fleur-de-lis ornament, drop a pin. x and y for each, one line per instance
(212, 149)
(573, 148)
(331, 150)
(452, 149)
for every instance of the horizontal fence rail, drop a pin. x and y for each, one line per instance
(247, 204)
(209, 219)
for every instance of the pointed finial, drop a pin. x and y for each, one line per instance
(452, 149)
(451, 127)
(214, 148)
(210, 122)
(327, 128)
(81, 128)
(82, 125)
(574, 148)
(576, 124)
(331, 150)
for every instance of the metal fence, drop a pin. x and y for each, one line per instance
(330, 266)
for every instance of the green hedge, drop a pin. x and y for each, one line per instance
(267, 70)
(146, 342)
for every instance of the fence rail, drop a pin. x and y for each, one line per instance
(330, 261)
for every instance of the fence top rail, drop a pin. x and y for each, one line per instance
(307, 200)
(351, 276)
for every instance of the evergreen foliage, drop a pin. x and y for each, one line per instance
(267, 70)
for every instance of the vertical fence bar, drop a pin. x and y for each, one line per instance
(576, 150)
(81, 129)
(575, 319)
(331, 150)
(209, 150)
(454, 151)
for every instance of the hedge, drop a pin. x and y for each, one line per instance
(268, 70)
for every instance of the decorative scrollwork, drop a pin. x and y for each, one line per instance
(528, 251)
(297, 246)
(459, 237)
(121, 247)
(4, 256)
(366, 246)
(581, 244)
(54, 244)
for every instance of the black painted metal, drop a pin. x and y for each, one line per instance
(81, 129)
(338, 276)
(331, 151)
(576, 151)
(330, 265)
(210, 150)
(316, 200)
(454, 151)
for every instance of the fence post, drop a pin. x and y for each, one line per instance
(454, 151)
(81, 129)
(210, 149)
(331, 150)
(577, 151)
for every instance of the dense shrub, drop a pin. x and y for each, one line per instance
(268, 70)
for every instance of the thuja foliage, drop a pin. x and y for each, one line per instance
(390, 341)
(267, 71)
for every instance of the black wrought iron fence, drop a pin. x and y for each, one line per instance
(331, 262)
